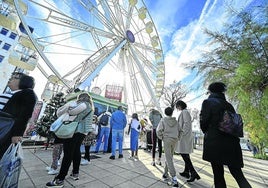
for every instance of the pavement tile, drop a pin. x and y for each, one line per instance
(125, 173)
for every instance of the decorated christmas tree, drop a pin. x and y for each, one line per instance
(50, 115)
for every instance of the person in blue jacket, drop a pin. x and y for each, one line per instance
(118, 123)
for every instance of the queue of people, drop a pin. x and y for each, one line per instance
(176, 134)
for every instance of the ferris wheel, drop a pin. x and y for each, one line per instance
(89, 43)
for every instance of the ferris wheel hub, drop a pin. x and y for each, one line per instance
(130, 36)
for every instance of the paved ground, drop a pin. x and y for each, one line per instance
(124, 173)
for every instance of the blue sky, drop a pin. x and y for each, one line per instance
(180, 24)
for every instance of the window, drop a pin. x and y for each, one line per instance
(1, 58)
(4, 31)
(6, 46)
(13, 35)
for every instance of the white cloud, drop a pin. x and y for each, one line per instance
(189, 42)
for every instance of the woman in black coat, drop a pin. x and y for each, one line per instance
(220, 148)
(20, 106)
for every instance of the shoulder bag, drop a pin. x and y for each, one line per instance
(231, 122)
(67, 129)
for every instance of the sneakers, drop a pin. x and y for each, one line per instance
(74, 176)
(120, 156)
(173, 183)
(159, 163)
(55, 183)
(52, 172)
(165, 178)
(112, 157)
(48, 168)
(153, 163)
(132, 158)
(84, 162)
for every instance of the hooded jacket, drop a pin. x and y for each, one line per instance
(168, 127)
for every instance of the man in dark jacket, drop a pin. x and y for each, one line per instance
(20, 106)
(220, 148)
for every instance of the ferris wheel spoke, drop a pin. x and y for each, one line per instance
(147, 47)
(113, 12)
(129, 17)
(58, 18)
(143, 58)
(99, 15)
(96, 37)
(144, 75)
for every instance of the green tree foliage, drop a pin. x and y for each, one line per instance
(239, 57)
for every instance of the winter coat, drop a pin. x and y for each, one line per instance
(63, 111)
(21, 106)
(185, 144)
(168, 127)
(84, 118)
(218, 146)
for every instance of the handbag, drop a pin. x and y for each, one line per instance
(10, 166)
(66, 130)
(231, 124)
(6, 123)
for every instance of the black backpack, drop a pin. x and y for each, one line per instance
(104, 120)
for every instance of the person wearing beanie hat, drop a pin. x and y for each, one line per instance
(220, 148)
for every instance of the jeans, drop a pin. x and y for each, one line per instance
(117, 134)
(104, 134)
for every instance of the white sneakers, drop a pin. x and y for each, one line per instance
(158, 162)
(84, 162)
(133, 158)
(51, 171)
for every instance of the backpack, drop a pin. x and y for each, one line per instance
(104, 119)
(231, 124)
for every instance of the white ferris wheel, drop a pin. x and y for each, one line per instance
(88, 43)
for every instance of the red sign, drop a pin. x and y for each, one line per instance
(114, 92)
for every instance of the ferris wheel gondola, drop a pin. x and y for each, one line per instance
(86, 42)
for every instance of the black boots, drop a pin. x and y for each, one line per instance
(185, 174)
(194, 176)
